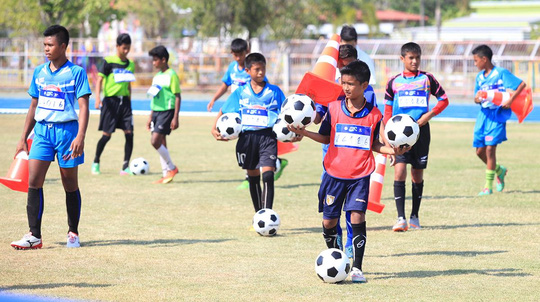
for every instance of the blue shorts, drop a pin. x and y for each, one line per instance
(55, 138)
(488, 131)
(349, 194)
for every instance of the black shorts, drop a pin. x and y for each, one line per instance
(256, 149)
(161, 121)
(116, 113)
(418, 155)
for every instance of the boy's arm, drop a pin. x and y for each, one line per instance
(508, 103)
(97, 96)
(29, 124)
(214, 131)
(440, 94)
(323, 139)
(220, 92)
(149, 121)
(177, 102)
(77, 146)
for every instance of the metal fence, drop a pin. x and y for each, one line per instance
(201, 63)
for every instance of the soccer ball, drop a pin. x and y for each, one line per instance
(229, 125)
(266, 222)
(401, 130)
(139, 166)
(332, 266)
(298, 110)
(282, 133)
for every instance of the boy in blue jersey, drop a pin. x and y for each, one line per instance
(259, 104)
(490, 127)
(351, 128)
(55, 87)
(236, 76)
(347, 55)
(409, 93)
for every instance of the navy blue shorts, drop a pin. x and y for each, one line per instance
(161, 121)
(116, 113)
(349, 194)
(256, 149)
(418, 155)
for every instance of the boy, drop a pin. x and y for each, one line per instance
(116, 74)
(235, 77)
(490, 127)
(350, 37)
(409, 92)
(351, 129)
(165, 105)
(259, 104)
(55, 87)
(347, 54)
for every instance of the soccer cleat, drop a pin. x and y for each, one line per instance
(414, 223)
(357, 276)
(125, 172)
(485, 192)
(28, 242)
(95, 169)
(401, 225)
(349, 251)
(170, 175)
(244, 185)
(284, 164)
(73, 240)
(500, 179)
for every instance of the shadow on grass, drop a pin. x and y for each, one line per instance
(151, 243)
(476, 225)
(296, 186)
(52, 285)
(428, 198)
(522, 192)
(446, 253)
(505, 272)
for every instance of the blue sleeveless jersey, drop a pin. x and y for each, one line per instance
(58, 91)
(258, 110)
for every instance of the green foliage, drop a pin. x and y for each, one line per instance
(449, 9)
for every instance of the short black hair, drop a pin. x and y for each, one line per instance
(412, 48)
(254, 58)
(347, 51)
(483, 51)
(60, 32)
(123, 39)
(239, 45)
(160, 52)
(348, 33)
(357, 69)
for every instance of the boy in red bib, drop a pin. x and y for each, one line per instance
(351, 128)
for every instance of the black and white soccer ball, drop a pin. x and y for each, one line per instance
(298, 110)
(139, 166)
(332, 266)
(229, 125)
(282, 133)
(401, 130)
(266, 222)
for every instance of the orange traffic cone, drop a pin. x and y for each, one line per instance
(376, 184)
(17, 176)
(284, 148)
(320, 84)
(521, 106)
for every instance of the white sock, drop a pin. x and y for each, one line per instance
(163, 166)
(164, 153)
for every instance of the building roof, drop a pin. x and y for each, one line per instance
(392, 16)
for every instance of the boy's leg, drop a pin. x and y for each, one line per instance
(105, 137)
(330, 233)
(254, 178)
(491, 161)
(157, 141)
(400, 174)
(348, 244)
(128, 150)
(73, 204)
(358, 222)
(417, 191)
(267, 197)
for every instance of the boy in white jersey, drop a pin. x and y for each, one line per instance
(55, 87)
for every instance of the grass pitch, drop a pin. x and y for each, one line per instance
(190, 240)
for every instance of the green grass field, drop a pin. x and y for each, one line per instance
(191, 241)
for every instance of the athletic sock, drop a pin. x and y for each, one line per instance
(163, 166)
(128, 149)
(331, 237)
(268, 189)
(349, 228)
(163, 152)
(417, 190)
(73, 206)
(490, 176)
(34, 210)
(399, 196)
(255, 191)
(498, 169)
(100, 146)
(359, 243)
